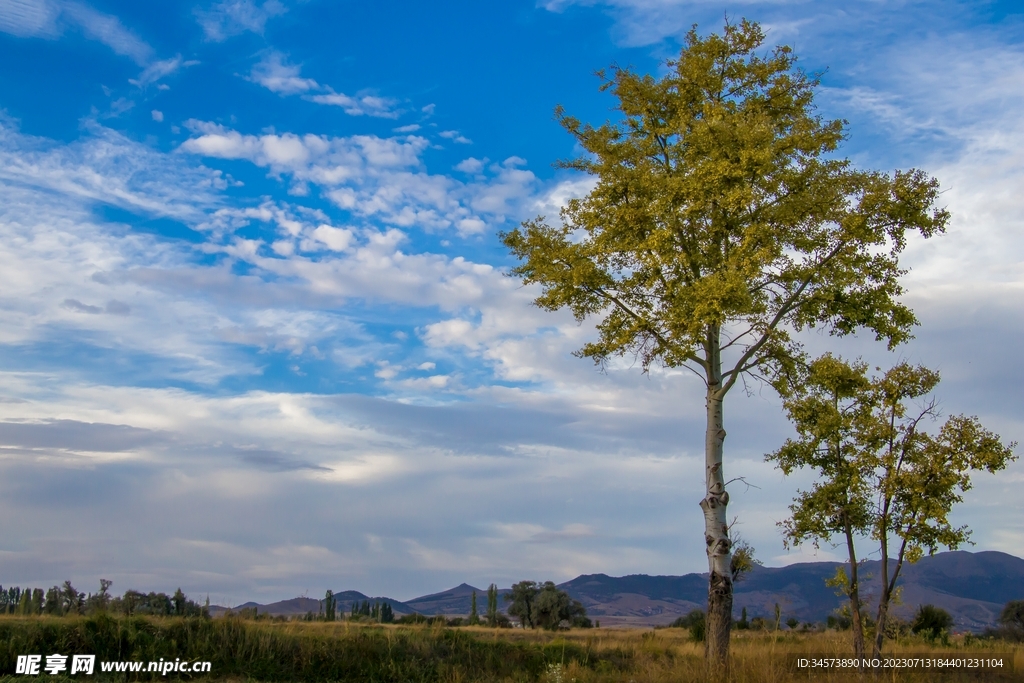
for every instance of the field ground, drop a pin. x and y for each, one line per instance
(341, 651)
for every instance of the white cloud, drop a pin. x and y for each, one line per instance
(556, 197)
(275, 75)
(411, 128)
(158, 115)
(471, 165)
(359, 105)
(229, 18)
(455, 136)
(106, 166)
(159, 69)
(30, 18)
(336, 239)
(48, 19)
(108, 30)
(374, 177)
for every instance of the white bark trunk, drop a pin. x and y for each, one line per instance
(716, 526)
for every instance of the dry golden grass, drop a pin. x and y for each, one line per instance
(319, 651)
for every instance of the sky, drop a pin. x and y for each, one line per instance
(257, 339)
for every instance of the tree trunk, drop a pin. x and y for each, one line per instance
(716, 528)
(858, 622)
(888, 588)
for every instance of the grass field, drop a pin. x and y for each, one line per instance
(241, 650)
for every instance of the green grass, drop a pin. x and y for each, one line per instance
(268, 651)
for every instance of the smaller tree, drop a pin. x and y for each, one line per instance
(919, 477)
(829, 407)
(880, 472)
(330, 606)
(73, 600)
(931, 622)
(522, 597)
(554, 609)
(492, 605)
(387, 613)
(53, 602)
(474, 617)
(25, 603)
(179, 601)
(100, 602)
(1012, 619)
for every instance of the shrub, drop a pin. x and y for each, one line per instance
(694, 621)
(932, 622)
(1012, 620)
(839, 622)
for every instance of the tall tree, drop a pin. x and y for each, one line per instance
(492, 605)
(722, 222)
(178, 599)
(474, 616)
(522, 598)
(330, 606)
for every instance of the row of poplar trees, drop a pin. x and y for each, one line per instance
(67, 600)
(379, 611)
(723, 223)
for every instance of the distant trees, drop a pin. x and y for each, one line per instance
(546, 606)
(379, 611)
(67, 600)
(492, 605)
(742, 624)
(330, 606)
(880, 473)
(521, 597)
(474, 617)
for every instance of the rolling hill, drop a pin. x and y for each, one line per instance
(973, 587)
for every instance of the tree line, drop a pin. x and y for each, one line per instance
(535, 605)
(67, 600)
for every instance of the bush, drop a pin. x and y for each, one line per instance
(694, 621)
(839, 622)
(932, 622)
(896, 628)
(1012, 620)
(414, 618)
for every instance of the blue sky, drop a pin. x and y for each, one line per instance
(257, 341)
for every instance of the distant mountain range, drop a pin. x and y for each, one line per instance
(973, 587)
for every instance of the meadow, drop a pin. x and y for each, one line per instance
(266, 650)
